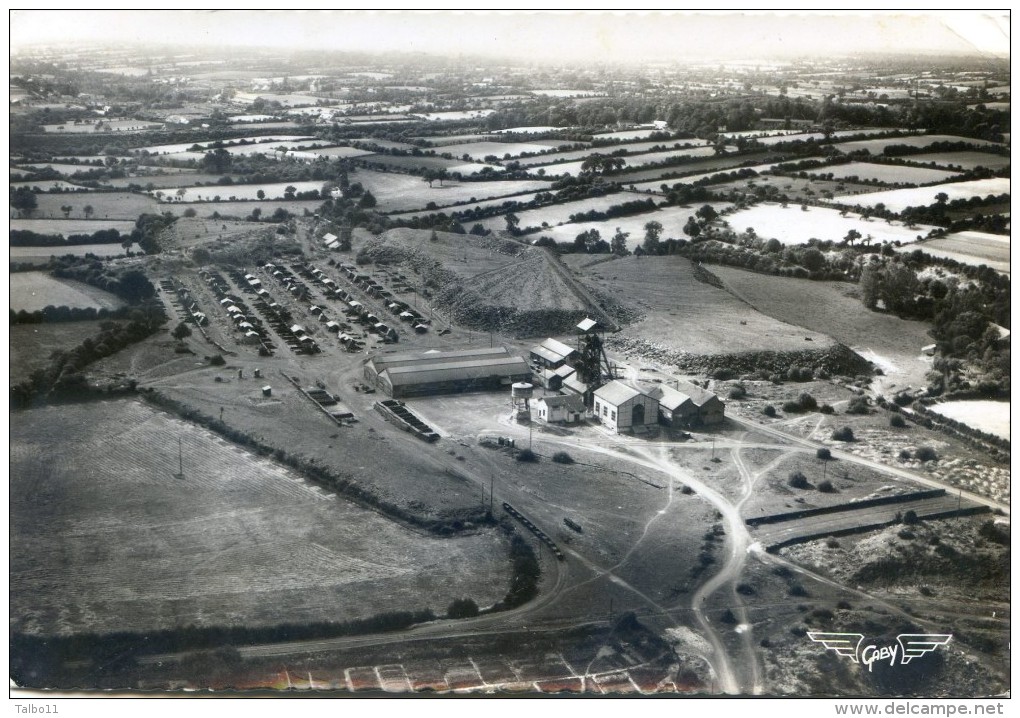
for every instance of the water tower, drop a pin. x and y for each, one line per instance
(520, 401)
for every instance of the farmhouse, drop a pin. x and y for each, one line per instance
(443, 372)
(622, 407)
(566, 409)
(688, 405)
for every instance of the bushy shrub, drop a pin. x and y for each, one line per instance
(728, 617)
(218, 360)
(905, 455)
(826, 409)
(858, 405)
(824, 454)
(769, 410)
(792, 407)
(897, 422)
(562, 457)
(797, 480)
(926, 453)
(826, 487)
(527, 455)
(738, 391)
(462, 608)
(844, 433)
(807, 402)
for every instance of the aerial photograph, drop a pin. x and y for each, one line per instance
(510, 354)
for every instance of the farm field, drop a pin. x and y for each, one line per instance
(453, 115)
(31, 344)
(51, 186)
(67, 227)
(631, 147)
(106, 205)
(444, 140)
(834, 308)
(403, 193)
(234, 192)
(627, 134)
(114, 125)
(574, 168)
(436, 163)
(795, 226)
(227, 144)
(689, 316)
(64, 169)
(966, 160)
(876, 146)
(655, 185)
(242, 208)
(41, 255)
(480, 150)
(796, 189)
(37, 290)
(173, 178)
(974, 248)
(805, 136)
(897, 200)
(672, 220)
(560, 213)
(270, 149)
(890, 174)
(456, 208)
(989, 416)
(710, 165)
(111, 540)
(385, 144)
(331, 152)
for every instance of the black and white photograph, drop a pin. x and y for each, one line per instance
(510, 354)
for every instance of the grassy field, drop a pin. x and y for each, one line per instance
(110, 539)
(478, 151)
(970, 248)
(990, 416)
(406, 162)
(67, 227)
(966, 160)
(876, 146)
(889, 174)
(32, 344)
(106, 205)
(402, 193)
(791, 225)
(672, 220)
(631, 147)
(711, 165)
(897, 200)
(40, 256)
(186, 146)
(574, 168)
(173, 177)
(684, 314)
(50, 186)
(833, 308)
(205, 210)
(36, 290)
(499, 201)
(206, 193)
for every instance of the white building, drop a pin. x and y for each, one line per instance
(566, 408)
(622, 407)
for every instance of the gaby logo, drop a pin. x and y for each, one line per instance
(909, 646)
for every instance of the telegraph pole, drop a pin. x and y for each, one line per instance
(492, 481)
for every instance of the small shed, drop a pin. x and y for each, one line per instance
(564, 408)
(267, 390)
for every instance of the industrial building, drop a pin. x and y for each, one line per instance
(444, 372)
(561, 409)
(688, 406)
(622, 407)
(551, 354)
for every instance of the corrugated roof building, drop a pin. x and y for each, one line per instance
(688, 405)
(443, 372)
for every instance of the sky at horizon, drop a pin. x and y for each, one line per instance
(619, 36)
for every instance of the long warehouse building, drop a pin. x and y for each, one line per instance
(445, 372)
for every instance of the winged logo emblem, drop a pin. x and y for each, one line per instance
(910, 646)
(845, 644)
(915, 645)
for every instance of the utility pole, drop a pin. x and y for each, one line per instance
(492, 481)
